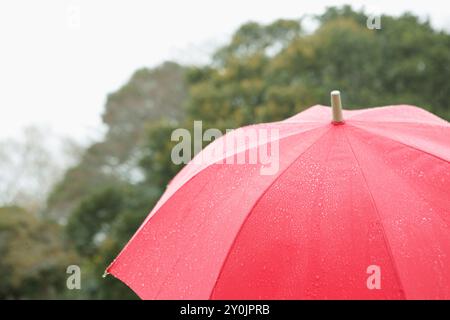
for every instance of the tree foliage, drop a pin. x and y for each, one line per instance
(150, 96)
(33, 258)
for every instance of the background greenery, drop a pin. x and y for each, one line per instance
(265, 73)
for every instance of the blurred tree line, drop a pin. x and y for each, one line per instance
(265, 73)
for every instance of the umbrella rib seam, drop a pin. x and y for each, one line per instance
(386, 240)
(416, 191)
(406, 123)
(172, 268)
(402, 143)
(253, 207)
(223, 158)
(150, 215)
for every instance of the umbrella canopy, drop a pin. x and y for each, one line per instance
(355, 210)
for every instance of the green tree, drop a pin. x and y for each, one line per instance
(407, 61)
(33, 258)
(150, 95)
(99, 227)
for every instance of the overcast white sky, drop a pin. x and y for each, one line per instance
(56, 73)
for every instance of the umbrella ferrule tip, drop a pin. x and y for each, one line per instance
(336, 107)
(335, 93)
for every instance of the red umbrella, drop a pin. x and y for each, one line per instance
(357, 209)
